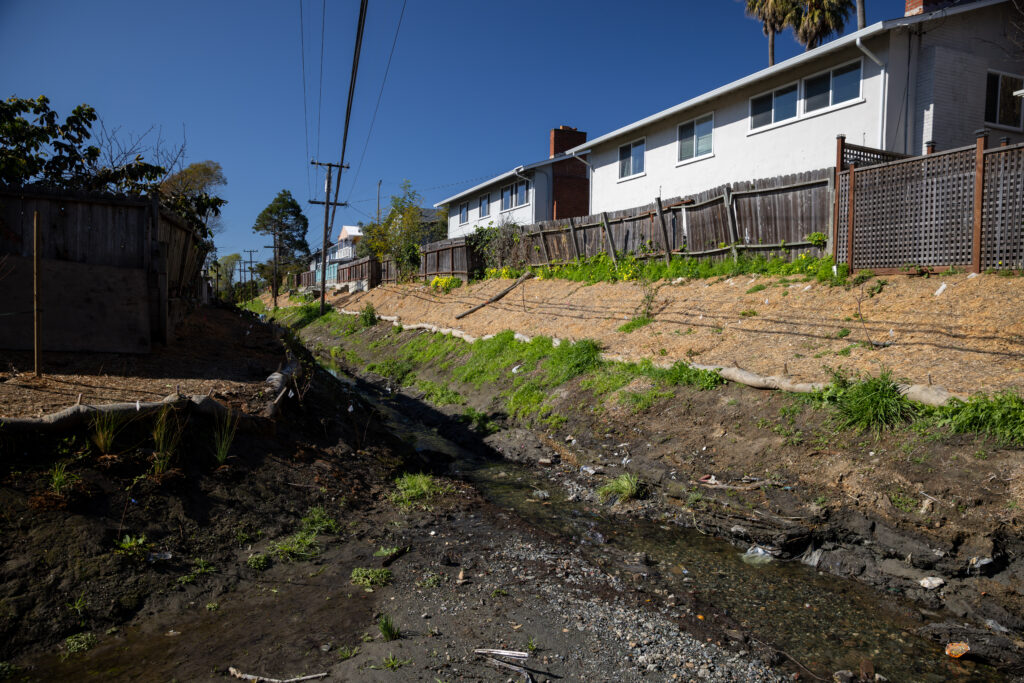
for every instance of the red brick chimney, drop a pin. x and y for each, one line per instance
(570, 187)
(563, 138)
(913, 7)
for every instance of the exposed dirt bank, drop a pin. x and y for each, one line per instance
(187, 600)
(764, 468)
(969, 338)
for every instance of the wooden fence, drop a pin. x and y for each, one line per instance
(366, 268)
(766, 215)
(447, 258)
(962, 207)
(117, 272)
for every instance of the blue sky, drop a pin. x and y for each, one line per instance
(473, 89)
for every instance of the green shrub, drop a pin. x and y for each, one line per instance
(80, 642)
(412, 488)
(874, 404)
(398, 371)
(258, 562)
(1000, 416)
(635, 324)
(368, 316)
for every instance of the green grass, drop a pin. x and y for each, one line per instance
(439, 394)
(371, 578)
(368, 316)
(490, 358)
(391, 663)
(999, 416)
(398, 371)
(167, 432)
(749, 313)
(624, 487)
(303, 544)
(223, 435)
(479, 421)
(105, 428)
(258, 562)
(134, 547)
(757, 288)
(317, 521)
(639, 401)
(389, 630)
(417, 488)
(200, 567)
(80, 642)
(61, 480)
(635, 324)
(874, 404)
(346, 652)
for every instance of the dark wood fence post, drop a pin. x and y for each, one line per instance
(929, 147)
(849, 220)
(608, 234)
(572, 237)
(37, 344)
(664, 231)
(734, 233)
(979, 187)
(544, 246)
(840, 143)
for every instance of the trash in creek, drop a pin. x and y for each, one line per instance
(153, 557)
(957, 650)
(931, 582)
(756, 555)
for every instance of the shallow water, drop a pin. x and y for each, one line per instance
(826, 622)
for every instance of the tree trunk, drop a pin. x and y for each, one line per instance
(771, 48)
(861, 18)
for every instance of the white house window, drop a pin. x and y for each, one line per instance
(1002, 107)
(463, 213)
(695, 138)
(774, 106)
(514, 195)
(631, 158)
(485, 206)
(832, 87)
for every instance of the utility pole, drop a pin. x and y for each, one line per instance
(327, 210)
(250, 252)
(378, 201)
(273, 284)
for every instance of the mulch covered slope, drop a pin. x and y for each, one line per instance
(216, 352)
(968, 338)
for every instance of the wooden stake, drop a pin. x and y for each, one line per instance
(849, 219)
(36, 341)
(979, 192)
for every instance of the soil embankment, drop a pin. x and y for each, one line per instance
(968, 338)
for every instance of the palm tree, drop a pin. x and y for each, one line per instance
(820, 19)
(775, 16)
(861, 17)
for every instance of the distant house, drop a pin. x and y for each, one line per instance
(339, 252)
(555, 187)
(937, 74)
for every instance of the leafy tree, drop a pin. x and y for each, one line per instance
(195, 184)
(36, 148)
(401, 233)
(775, 16)
(819, 19)
(284, 219)
(228, 267)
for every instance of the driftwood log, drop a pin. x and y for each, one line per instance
(522, 278)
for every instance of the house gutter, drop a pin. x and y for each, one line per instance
(884, 89)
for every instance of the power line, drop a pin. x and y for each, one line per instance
(305, 98)
(320, 97)
(380, 94)
(351, 94)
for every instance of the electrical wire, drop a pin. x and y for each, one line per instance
(320, 96)
(305, 98)
(348, 107)
(380, 94)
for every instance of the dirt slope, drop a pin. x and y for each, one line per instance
(969, 338)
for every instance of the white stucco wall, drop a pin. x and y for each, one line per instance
(805, 143)
(523, 215)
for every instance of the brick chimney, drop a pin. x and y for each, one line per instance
(563, 138)
(913, 7)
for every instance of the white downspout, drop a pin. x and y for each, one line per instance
(883, 91)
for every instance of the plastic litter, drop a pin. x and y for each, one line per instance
(153, 557)
(996, 626)
(931, 582)
(957, 650)
(941, 289)
(756, 555)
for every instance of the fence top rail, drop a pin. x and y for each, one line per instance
(782, 188)
(909, 160)
(874, 150)
(1008, 148)
(31, 192)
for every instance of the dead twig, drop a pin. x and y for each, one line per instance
(263, 679)
(522, 278)
(497, 662)
(791, 658)
(514, 654)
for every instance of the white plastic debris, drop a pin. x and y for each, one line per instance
(807, 288)
(756, 555)
(972, 275)
(350, 408)
(515, 370)
(138, 406)
(941, 289)
(931, 582)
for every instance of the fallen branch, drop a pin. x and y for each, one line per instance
(514, 654)
(518, 669)
(263, 679)
(522, 278)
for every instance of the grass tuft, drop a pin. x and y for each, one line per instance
(635, 324)
(874, 404)
(1000, 416)
(624, 487)
(389, 630)
(413, 488)
(105, 428)
(223, 435)
(371, 578)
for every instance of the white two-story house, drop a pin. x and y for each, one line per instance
(937, 74)
(552, 188)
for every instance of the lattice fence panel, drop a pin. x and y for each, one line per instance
(842, 211)
(1002, 209)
